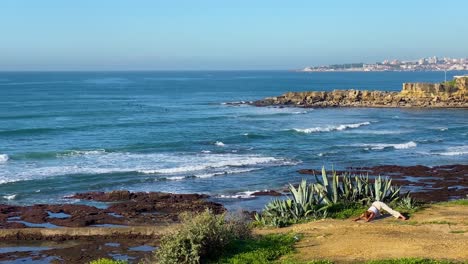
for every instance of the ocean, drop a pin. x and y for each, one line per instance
(68, 132)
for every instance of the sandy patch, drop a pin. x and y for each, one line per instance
(439, 232)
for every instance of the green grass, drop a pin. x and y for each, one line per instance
(108, 261)
(385, 261)
(260, 250)
(409, 261)
(345, 211)
(458, 231)
(463, 202)
(291, 261)
(439, 223)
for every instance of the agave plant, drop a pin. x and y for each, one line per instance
(408, 202)
(384, 191)
(303, 199)
(354, 189)
(303, 203)
(314, 199)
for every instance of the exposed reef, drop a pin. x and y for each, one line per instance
(430, 184)
(124, 209)
(453, 94)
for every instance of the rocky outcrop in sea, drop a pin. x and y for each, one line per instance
(453, 94)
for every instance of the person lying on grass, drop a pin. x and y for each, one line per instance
(374, 211)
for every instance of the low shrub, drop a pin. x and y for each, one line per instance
(200, 237)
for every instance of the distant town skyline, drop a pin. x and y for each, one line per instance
(432, 63)
(224, 35)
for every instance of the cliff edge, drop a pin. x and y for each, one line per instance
(453, 94)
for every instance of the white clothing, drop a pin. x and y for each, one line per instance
(379, 206)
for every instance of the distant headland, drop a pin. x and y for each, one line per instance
(423, 64)
(451, 94)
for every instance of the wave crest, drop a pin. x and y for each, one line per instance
(330, 128)
(380, 146)
(163, 165)
(454, 151)
(4, 158)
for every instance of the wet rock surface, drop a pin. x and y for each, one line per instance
(267, 193)
(84, 251)
(439, 183)
(124, 209)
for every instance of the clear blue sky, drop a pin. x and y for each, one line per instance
(223, 34)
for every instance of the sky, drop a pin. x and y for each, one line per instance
(225, 34)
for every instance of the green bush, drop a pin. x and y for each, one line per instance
(200, 237)
(107, 261)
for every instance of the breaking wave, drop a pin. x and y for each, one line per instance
(380, 146)
(4, 158)
(239, 195)
(219, 144)
(454, 151)
(9, 197)
(201, 165)
(82, 153)
(330, 128)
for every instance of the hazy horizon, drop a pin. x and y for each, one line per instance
(53, 35)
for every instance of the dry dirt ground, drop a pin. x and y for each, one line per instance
(438, 232)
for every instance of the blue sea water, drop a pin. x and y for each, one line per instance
(67, 132)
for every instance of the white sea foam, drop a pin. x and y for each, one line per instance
(9, 197)
(454, 151)
(83, 152)
(381, 132)
(4, 158)
(330, 128)
(380, 146)
(233, 161)
(219, 144)
(239, 195)
(176, 164)
(224, 172)
(176, 178)
(205, 151)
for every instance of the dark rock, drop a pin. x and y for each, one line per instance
(134, 208)
(267, 193)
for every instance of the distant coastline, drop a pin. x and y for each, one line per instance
(423, 64)
(452, 94)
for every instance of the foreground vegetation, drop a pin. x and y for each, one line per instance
(243, 246)
(228, 239)
(337, 196)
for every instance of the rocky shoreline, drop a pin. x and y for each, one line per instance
(122, 209)
(130, 223)
(453, 94)
(428, 184)
(127, 226)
